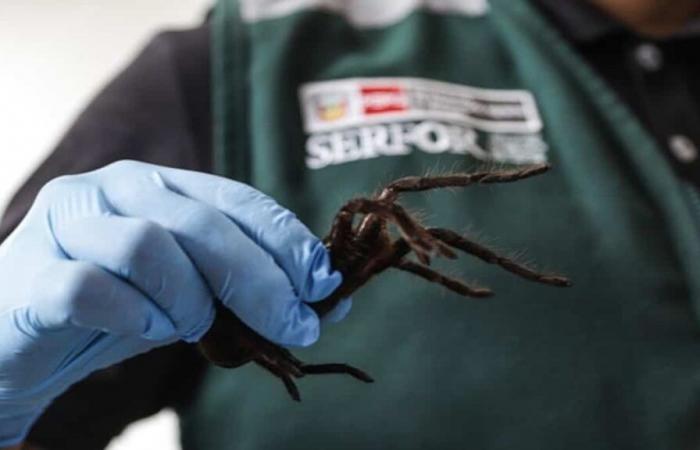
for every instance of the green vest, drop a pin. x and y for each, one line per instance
(318, 101)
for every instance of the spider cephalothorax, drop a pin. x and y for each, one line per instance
(363, 248)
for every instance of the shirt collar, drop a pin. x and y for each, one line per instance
(583, 22)
(580, 20)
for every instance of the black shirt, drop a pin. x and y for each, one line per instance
(158, 111)
(658, 79)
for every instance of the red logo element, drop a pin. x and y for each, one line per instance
(383, 99)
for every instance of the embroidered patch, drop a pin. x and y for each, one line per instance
(362, 118)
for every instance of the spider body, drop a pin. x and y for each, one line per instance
(361, 249)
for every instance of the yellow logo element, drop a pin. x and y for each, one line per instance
(331, 107)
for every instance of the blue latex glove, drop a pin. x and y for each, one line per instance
(115, 262)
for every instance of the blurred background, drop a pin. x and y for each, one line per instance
(54, 57)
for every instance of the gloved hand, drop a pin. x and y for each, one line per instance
(115, 262)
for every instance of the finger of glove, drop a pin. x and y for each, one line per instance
(149, 257)
(82, 294)
(239, 272)
(299, 252)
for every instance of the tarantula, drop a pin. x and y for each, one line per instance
(361, 251)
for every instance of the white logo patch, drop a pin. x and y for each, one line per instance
(363, 118)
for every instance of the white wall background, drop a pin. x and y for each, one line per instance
(54, 56)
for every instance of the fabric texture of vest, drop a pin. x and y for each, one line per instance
(318, 101)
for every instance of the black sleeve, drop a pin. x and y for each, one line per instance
(156, 110)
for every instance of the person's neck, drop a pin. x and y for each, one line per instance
(655, 18)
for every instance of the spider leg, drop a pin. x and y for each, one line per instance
(282, 364)
(318, 369)
(372, 230)
(277, 371)
(341, 235)
(389, 254)
(287, 367)
(487, 255)
(435, 277)
(348, 244)
(417, 184)
(420, 240)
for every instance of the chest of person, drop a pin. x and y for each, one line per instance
(317, 105)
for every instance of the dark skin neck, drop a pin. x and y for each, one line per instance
(653, 18)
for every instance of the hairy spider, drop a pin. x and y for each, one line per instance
(361, 251)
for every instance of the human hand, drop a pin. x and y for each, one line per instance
(114, 262)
